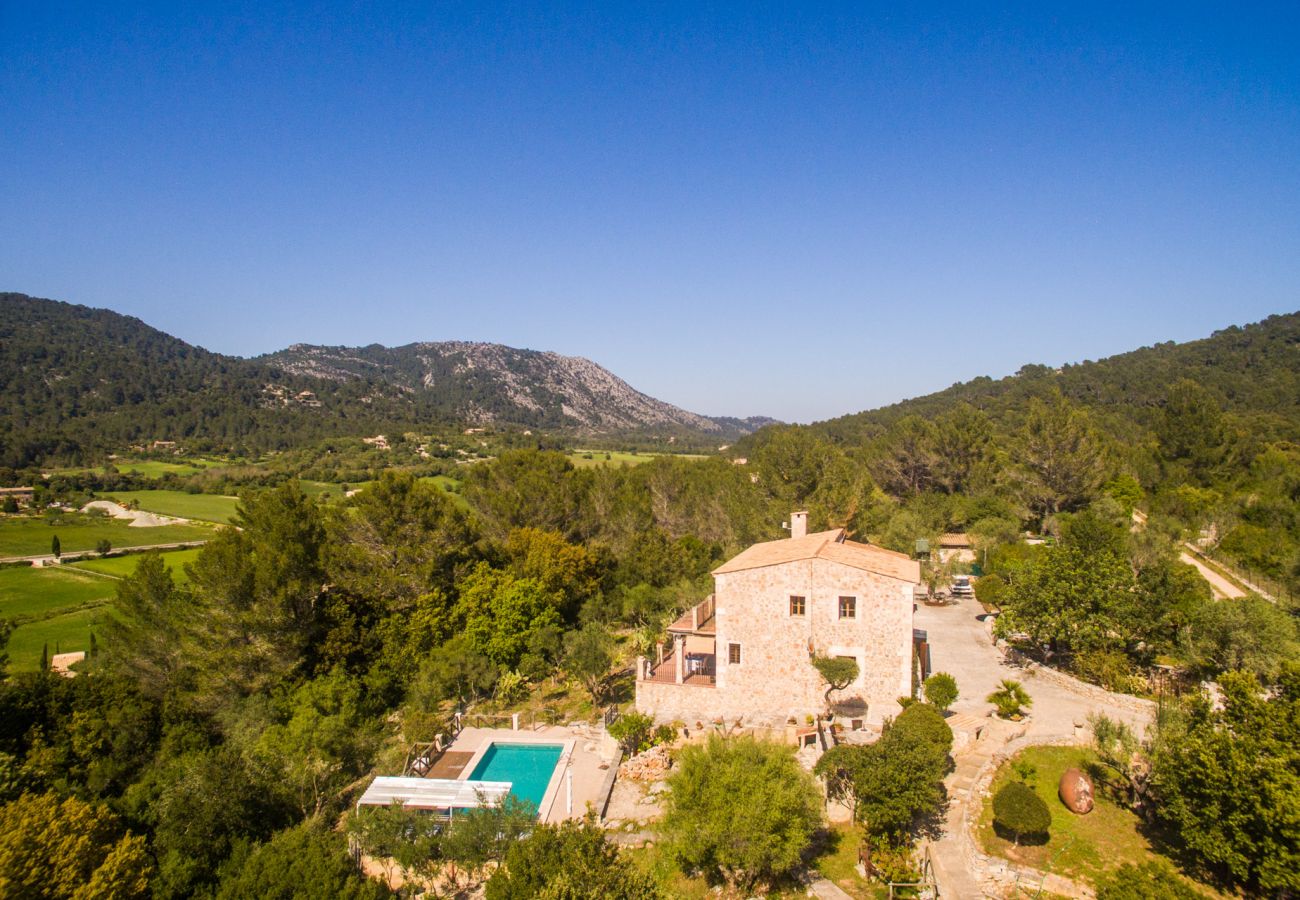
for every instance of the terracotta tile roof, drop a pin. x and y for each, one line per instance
(954, 540)
(828, 545)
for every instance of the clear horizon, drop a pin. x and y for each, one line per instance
(740, 211)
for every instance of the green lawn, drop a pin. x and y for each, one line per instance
(1079, 847)
(65, 633)
(31, 536)
(122, 566)
(205, 507)
(27, 592)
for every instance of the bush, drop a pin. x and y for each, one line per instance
(741, 810)
(1153, 880)
(633, 731)
(512, 687)
(1010, 698)
(924, 723)
(941, 691)
(571, 861)
(899, 781)
(1109, 668)
(1019, 810)
(990, 590)
(299, 862)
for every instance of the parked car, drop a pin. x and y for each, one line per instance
(961, 586)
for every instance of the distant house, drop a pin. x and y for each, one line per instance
(956, 546)
(745, 652)
(24, 496)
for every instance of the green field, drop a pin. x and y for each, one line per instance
(61, 605)
(65, 633)
(205, 507)
(588, 458)
(152, 468)
(122, 566)
(54, 606)
(315, 489)
(30, 536)
(27, 592)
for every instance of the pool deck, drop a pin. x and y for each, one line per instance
(581, 758)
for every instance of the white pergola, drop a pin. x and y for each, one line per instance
(433, 793)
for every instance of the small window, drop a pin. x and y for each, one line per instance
(733, 654)
(797, 606)
(848, 607)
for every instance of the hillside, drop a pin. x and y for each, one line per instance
(76, 381)
(486, 383)
(1251, 371)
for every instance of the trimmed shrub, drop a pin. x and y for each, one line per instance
(1018, 810)
(941, 691)
(925, 723)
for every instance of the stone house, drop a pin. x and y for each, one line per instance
(745, 651)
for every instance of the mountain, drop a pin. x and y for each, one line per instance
(76, 381)
(488, 383)
(1251, 371)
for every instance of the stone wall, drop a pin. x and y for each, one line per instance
(689, 703)
(998, 876)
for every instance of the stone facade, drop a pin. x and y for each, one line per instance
(774, 678)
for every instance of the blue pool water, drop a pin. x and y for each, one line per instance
(527, 766)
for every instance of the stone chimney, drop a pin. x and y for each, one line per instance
(799, 524)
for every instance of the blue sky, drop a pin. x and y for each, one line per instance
(742, 209)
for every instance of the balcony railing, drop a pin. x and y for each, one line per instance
(698, 670)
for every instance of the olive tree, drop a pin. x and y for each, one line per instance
(740, 810)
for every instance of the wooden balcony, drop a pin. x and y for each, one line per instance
(698, 671)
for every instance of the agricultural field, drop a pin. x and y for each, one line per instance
(60, 606)
(204, 507)
(153, 468)
(31, 536)
(53, 606)
(122, 566)
(66, 633)
(315, 489)
(31, 593)
(590, 458)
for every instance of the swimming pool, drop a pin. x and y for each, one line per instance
(528, 767)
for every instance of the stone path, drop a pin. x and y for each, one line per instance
(828, 890)
(961, 644)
